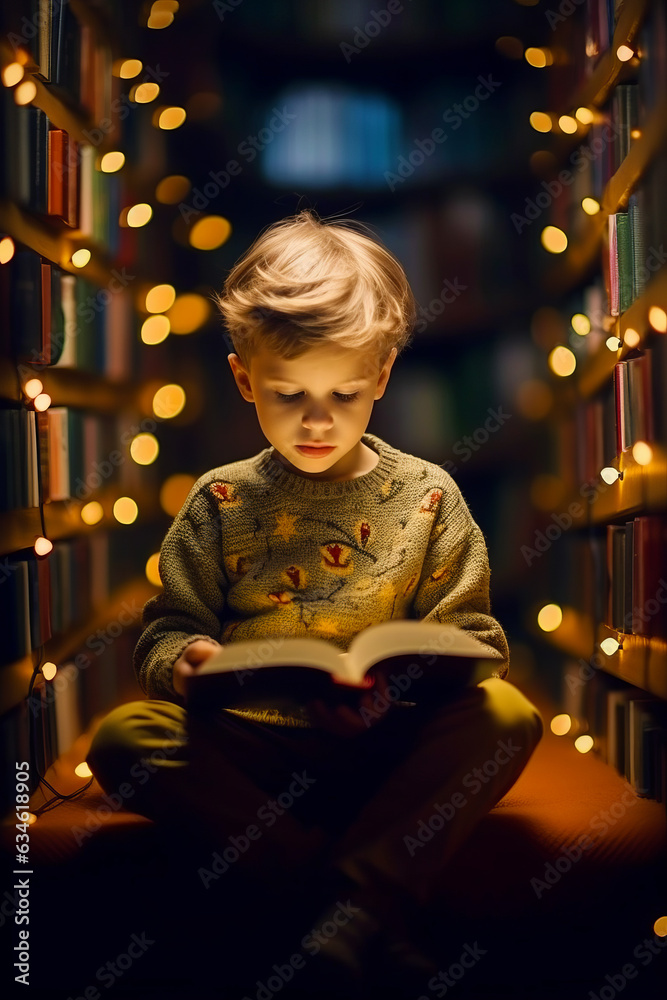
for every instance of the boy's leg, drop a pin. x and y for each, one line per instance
(142, 749)
(461, 758)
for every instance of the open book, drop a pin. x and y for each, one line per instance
(410, 656)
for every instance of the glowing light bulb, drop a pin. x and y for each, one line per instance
(139, 215)
(631, 337)
(657, 317)
(144, 449)
(32, 388)
(112, 162)
(561, 724)
(12, 74)
(170, 118)
(127, 69)
(562, 361)
(553, 239)
(567, 124)
(160, 298)
(584, 743)
(42, 546)
(609, 474)
(168, 401)
(613, 343)
(584, 115)
(155, 329)
(92, 512)
(581, 324)
(624, 53)
(642, 453)
(660, 927)
(42, 401)
(81, 257)
(25, 93)
(541, 122)
(590, 206)
(550, 617)
(82, 770)
(125, 510)
(610, 645)
(144, 93)
(49, 670)
(7, 249)
(152, 570)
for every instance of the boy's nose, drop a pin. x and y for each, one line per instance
(317, 416)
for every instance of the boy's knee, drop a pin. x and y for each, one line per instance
(131, 732)
(512, 711)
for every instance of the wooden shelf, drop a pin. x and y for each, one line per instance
(73, 387)
(642, 489)
(597, 88)
(16, 676)
(598, 368)
(56, 243)
(641, 660)
(62, 519)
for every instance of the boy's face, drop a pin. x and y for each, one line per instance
(313, 409)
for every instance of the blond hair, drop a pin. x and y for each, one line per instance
(307, 280)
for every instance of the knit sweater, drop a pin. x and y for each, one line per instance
(258, 552)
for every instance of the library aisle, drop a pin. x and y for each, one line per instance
(513, 157)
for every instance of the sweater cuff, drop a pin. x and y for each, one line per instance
(167, 671)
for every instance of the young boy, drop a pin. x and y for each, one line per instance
(322, 534)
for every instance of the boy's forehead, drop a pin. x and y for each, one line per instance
(318, 360)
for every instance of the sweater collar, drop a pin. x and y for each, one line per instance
(280, 477)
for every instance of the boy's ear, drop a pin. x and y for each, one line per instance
(385, 372)
(241, 377)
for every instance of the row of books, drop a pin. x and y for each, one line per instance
(63, 454)
(52, 175)
(629, 408)
(52, 317)
(637, 570)
(627, 725)
(89, 682)
(68, 52)
(46, 596)
(615, 574)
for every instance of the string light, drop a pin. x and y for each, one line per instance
(624, 53)
(584, 115)
(82, 770)
(613, 343)
(32, 388)
(49, 670)
(42, 401)
(12, 74)
(657, 317)
(609, 474)
(92, 512)
(562, 361)
(541, 121)
(43, 546)
(138, 215)
(160, 298)
(155, 329)
(610, 645)
(127, 69)
(631, 338)
(553, 239)
(567, 124)
(584, 743)
(590, 206)
(581, 324)
(25, 93)
(112, 162)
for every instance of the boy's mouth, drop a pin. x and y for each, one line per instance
(315, 450)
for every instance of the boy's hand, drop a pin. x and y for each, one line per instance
(191, 658)
(344, 720)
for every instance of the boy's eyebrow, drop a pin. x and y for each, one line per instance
(353, 380)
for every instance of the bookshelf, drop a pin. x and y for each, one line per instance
(75, 329)
(606, 569)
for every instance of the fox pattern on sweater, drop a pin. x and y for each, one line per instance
(259, 552)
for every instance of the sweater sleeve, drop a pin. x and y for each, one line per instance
(192, 599)
(454, 585)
